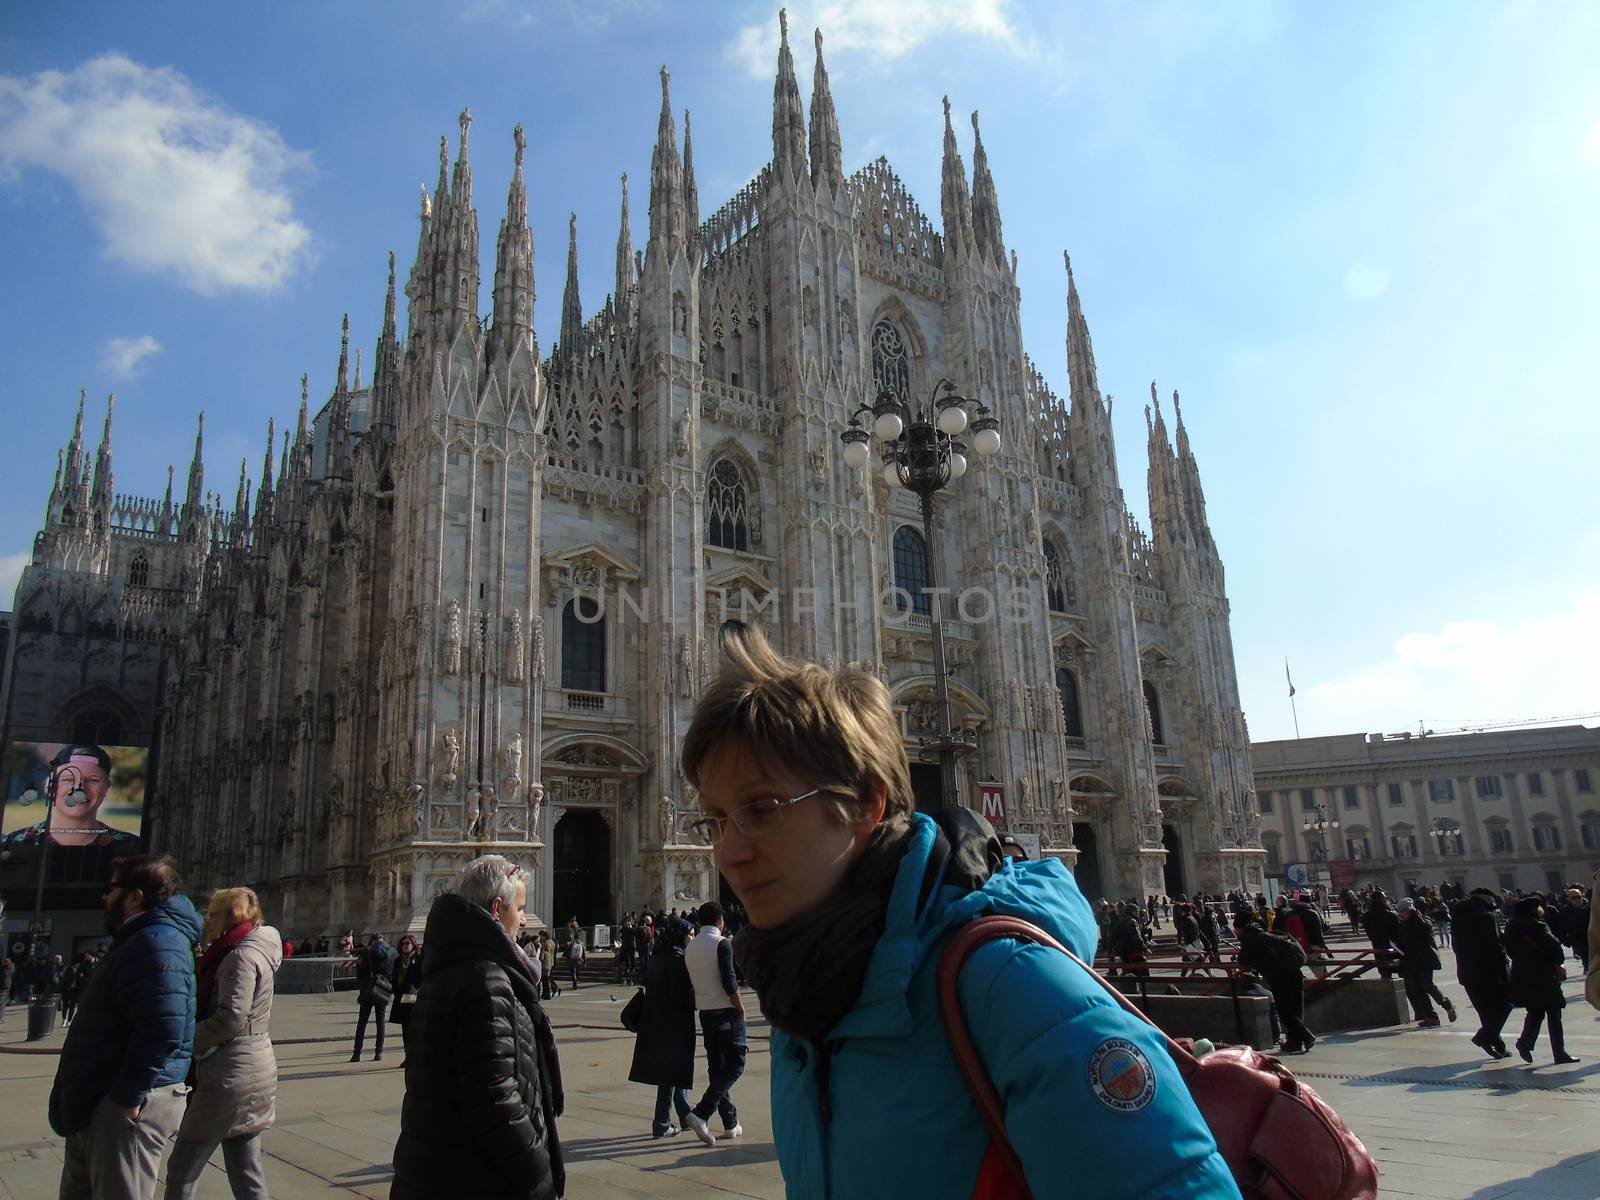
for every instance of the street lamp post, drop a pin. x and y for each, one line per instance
(922, 454)
(1319, 822)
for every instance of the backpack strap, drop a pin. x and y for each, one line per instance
(957, 951)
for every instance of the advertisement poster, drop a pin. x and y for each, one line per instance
(99, 794)
(1343, 872)
(992, 803)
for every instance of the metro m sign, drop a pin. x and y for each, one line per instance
(992, 803)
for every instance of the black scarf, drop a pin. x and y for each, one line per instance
(809, 973)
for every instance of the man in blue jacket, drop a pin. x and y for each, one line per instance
(119, 1092)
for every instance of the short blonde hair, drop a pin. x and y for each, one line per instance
(235, 906)
(836, 729)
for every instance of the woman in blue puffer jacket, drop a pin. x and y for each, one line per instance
(852, 895)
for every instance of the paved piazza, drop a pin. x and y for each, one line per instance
(1444, 1121)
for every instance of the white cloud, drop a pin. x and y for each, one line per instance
(882, 30)
(10, 573)
(1470, 672)
(123, 355)
(175, 181)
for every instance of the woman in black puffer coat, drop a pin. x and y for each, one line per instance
(1536, 975)
(482, 1093)
(663, 1052)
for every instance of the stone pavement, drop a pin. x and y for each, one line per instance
(1444, 1121)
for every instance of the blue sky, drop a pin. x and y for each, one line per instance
(1362, 241)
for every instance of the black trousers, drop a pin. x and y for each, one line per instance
(726, 1047)
(1421, 990)
(367, 1009)
(1289, 994)
(1530, 1030)
(1493, 1006)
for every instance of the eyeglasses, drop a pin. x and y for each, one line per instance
(756, 819)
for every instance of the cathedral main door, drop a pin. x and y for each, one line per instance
(581, 880)
(1088, 869)
(1173, 870)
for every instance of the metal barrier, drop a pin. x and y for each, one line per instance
(316, 973)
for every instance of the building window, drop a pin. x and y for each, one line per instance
(1489, 785)
(1450, 843)
(1589, 832)
(911, 568)
(1404, 845)
(1397, 794)
(1274, 858)
(890, 367)
(1535, 784)
(1546, 837)
(1358, 849)
(1072, 715)
(1152, 709)
(1308, 800)
(1264, 799)
(1508, 881)
(583, 646)
(1058, 588)
(1500, 841)
(139, 571)
(1441, 789)
(1581, 778)
(727, 508)
(1352, 797)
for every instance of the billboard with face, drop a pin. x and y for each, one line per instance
(98, 791)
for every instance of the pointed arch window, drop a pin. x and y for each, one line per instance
(1058, 587)
(890, 366)
(583, 646)
(727, 508)
(1071, 709)
(911, 568)
(139, 571)
(1152, 708)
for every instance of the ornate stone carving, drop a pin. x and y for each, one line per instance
(517, 651)
(452, 638)
(452, 760)
(536, 650)
(514, 764)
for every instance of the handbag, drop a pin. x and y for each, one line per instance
(632, 1012)
(1280, 1139)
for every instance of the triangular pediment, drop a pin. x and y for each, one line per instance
(740, 577)
(603, 556)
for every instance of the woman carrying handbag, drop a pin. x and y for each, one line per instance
(405, 982)
(663, 1050)
(1536, 976)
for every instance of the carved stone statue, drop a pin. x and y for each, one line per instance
(452, 760)
(686, 672)
(669, 819)
(535, 804)
(517, 652)
(514, 764)
(474, 813)
(452, 639)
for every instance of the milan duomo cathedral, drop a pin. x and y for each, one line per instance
(469, 604)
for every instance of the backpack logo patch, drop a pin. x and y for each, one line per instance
(1121, 1076)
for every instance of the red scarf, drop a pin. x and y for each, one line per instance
(211, 960)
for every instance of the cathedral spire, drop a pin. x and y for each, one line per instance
(264, 492)
(456, 243)
(343, 374)
(102, 466)
(74, 469)
(954, 202)
(788, 118)
(166, 504)
(241, 504)
(512, 326)
(302, 433)
(461, 181)
(691, 193)
(625, 276)
(195, 496)
(338, 449)
(985, 202)
(1089, 420)
(827, 154)
(666, 180)
(1194, 496)
(571, 305)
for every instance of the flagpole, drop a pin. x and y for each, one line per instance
(1292, 709)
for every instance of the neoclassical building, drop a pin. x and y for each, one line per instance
(475, 598)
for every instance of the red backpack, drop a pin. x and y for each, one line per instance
(1279, 1138)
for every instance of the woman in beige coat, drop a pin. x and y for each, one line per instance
(236, 1075)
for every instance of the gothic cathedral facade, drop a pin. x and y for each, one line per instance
(476, 598)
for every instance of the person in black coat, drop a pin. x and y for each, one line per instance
(1263, 953)
(1413, 937)
(482, 1087)
(1481, 967)
(663, 1050)
(1536, 975)
(405, 981)
(1381, 923)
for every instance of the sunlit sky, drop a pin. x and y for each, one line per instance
(1360, 240)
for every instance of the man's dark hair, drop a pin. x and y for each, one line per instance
(84, 750)
(710, 913)
(156, 875)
